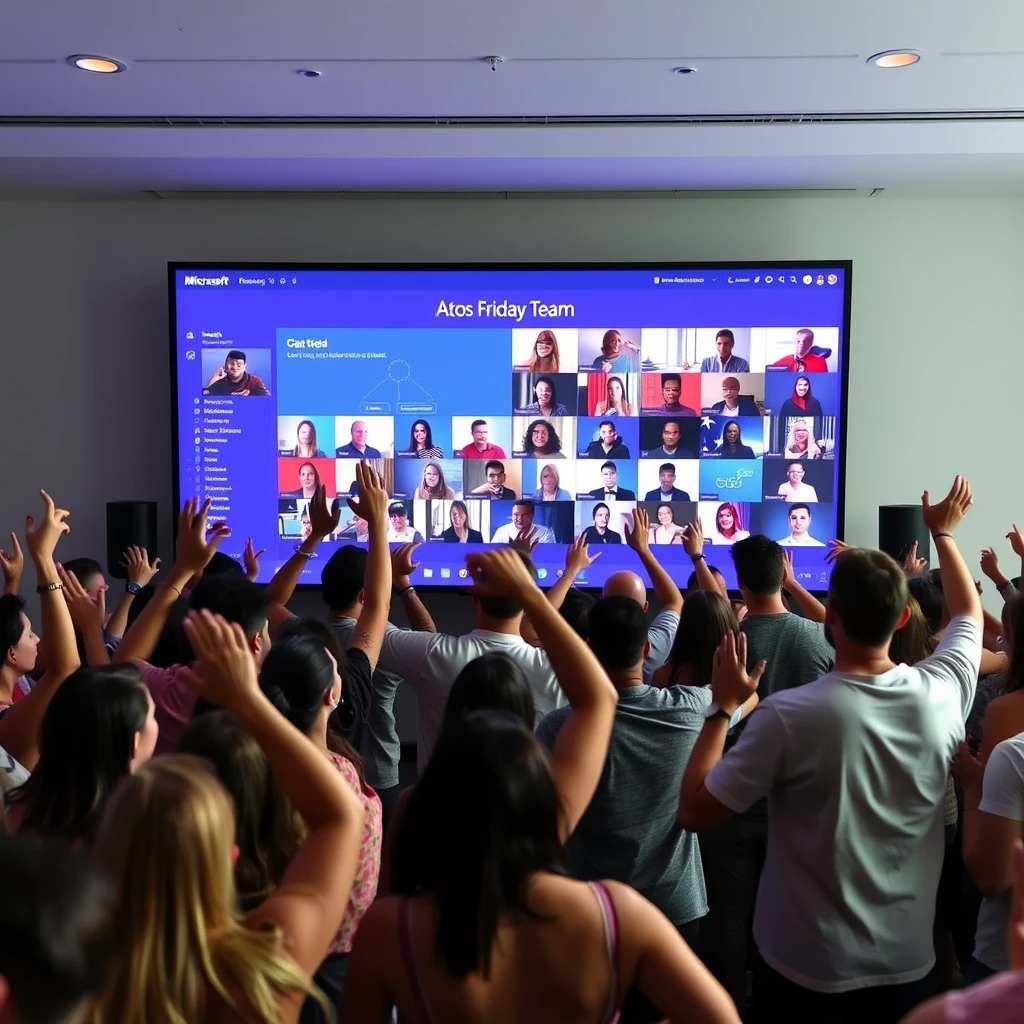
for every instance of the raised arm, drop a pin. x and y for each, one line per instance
(13, 565)
(638, 537)
(577, 558)
(372, 505)
(312, 896)
(706, 579)
(582, 745)
(1016, 539)
(402, 568)
(812, 608)
(942, 519)
(140, 571)
(192, 554)
(87, 617)
(323, 520)
(19, 727)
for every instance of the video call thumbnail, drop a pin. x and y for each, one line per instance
(801, 437)
(607, 438)
(544, 395)
(798, 480)
(608, 394)
(669, 437)
(669, 520)
(730, 480)
(726, 522)
(797, 524)
(672, 480)
(729, 437)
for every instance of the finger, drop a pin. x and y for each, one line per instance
(926, 500)
(47, 501)
(755, 676)
(17, 546)
(262, 551)
(199, 519)
(741, 648)
(101, 603)
(155, 565)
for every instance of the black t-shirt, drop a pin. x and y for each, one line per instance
(356, 687)
(608, 537)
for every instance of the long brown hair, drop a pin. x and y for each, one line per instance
(1013, 634)
(912, 642)
(549, 363)
(705, 619)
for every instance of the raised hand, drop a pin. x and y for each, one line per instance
(500, 573)
(526, 540)
(140, 569)
(251, 559)
(323, 517)
(731, 685)
(912, 565)
(990, 564)
(638, 536)
(836, 548)
(197, 542)
(402, 563)
(787, 568)
(693, 539)
(41, 540)
(1016, 539)
(227, 671)
(578, 557)
(946, 515)
(13, 565)
(219, 374)
(86, 614)
(372, 502)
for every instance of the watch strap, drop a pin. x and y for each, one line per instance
(131, 587)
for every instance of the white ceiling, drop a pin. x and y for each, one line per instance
(391, 61)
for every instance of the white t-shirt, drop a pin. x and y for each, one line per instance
(803, 540)
(801, 492)
(1002, 794)
(429, 662)
(854, 768)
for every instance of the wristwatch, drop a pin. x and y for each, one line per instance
(132, 588)
(714, 711)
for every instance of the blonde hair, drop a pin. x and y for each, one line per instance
(165, 840)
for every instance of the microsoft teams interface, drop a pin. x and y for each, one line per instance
(497, 401)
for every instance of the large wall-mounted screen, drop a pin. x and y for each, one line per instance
(496, 400)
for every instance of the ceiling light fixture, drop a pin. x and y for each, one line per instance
(97, 64)
(308, 73)
(684, 70)
(894, 58)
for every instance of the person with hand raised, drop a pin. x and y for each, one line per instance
(490, 804)
(20, 722)
(168, 832)
(838, 843)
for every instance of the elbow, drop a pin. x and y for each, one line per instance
(989, 879)
(688, 818)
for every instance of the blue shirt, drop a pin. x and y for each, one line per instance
(629, 831)
(350, 451)
(619, 364)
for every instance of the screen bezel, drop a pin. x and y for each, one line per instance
(655, 267)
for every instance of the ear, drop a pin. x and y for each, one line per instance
(904, 618)
(647, 649)
(135, 745)
(362, 596)
(647, 605)
(256, 643)
(235, 854)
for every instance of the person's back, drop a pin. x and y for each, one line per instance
(629, 830)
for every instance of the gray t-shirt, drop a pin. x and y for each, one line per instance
(380, 747)
(796, 653)
(854, 768)
(661, 635)
(629, 831)
(1002, 794)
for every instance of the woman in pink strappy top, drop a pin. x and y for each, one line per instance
(488, 927)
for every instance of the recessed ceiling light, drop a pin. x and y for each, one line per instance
(894, 58)
(684, 70)
(100, 65)
(308, 73)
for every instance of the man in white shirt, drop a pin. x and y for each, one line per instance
(522, 525)
(400, 532)
(429, 663)
(799, 525)
(854, 766)
(794, 489)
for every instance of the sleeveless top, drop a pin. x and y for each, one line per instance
(611, 940)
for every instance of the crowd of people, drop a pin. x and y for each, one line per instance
(753, 806)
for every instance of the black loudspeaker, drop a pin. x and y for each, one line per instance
(129, 522)
(898, 527)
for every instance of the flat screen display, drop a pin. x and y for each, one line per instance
(498, 399)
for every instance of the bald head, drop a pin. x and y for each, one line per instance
(626, 584)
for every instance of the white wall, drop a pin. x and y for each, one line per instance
(935, 356)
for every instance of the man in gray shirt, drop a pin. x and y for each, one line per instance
(797, 652)
(629, 831)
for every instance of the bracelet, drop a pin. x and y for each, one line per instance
(305, 554)
(46, 588)
(935, 536)
(171, 586)
(696, 558)
(1000, 587)
(402, 593)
